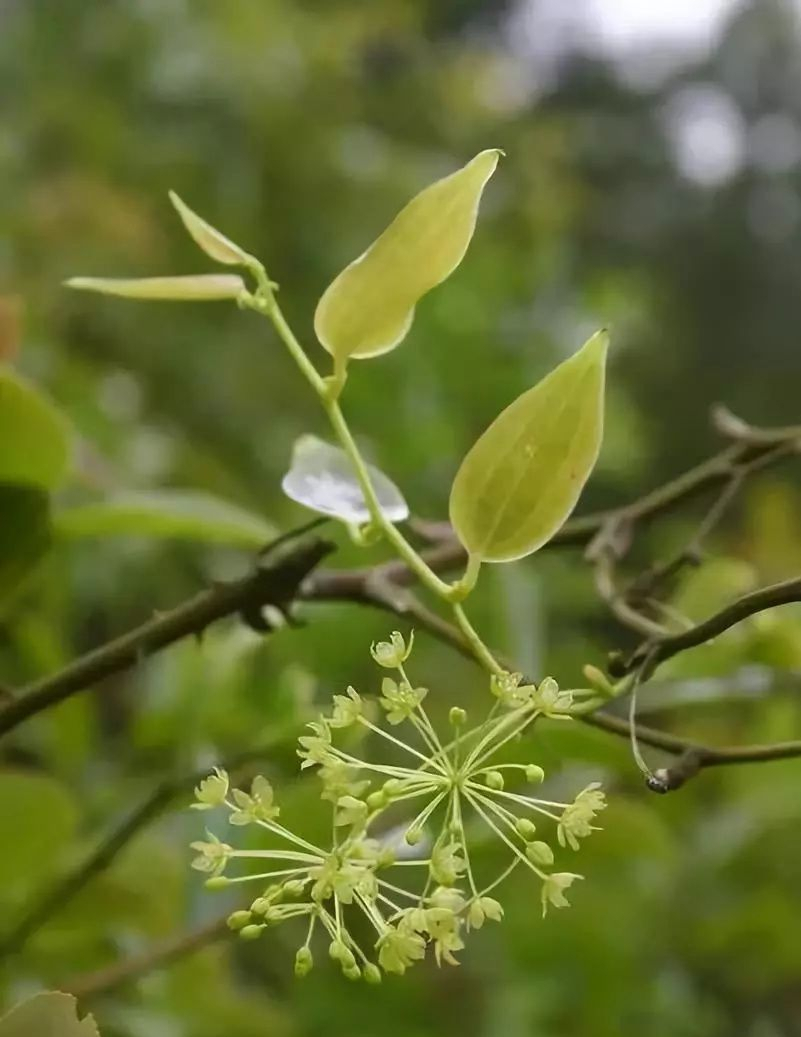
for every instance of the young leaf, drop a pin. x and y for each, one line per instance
(180, 514)
(34, 437)
(198, 287)
(523, 476)
(369, 307)
(212, 242)
(322, 478)
(51, 1014)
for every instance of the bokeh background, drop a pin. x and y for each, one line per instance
(652, 184)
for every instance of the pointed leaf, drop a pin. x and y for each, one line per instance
(51, 1014)
(523, 476)
(25, 534)
(369, 307)
(322, 478)
(180, 514)
(34, 437)
(212, 242)
(198, 287)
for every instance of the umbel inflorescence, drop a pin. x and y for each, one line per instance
(422, 888)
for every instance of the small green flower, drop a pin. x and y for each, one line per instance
(258, 806)
(481, 909)
(350, 811)
(315, 748)
(393, 653)
(400, 947)
(347, 709)
(550, 701)
(446, 865)
(576, 818)
(553, 889)
(211, 792)
(338, 780)
(400, 700)
(506, 687)
(212, 856)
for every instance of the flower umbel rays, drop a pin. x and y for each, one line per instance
(456, 787)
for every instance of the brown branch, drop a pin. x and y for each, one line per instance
(274, 581)
(100, 982)
(666, 646)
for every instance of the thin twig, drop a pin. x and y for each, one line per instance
(274, 581)
(129, 969)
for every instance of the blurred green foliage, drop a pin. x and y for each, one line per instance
(299, 129)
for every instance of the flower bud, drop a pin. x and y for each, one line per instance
(457, 716)
(294, 887)
(260, 906)
(494, 780)
(413, 835)
(352, 972)
(525, 828)
(372, 973)
(216, 882)
(475, 915)
(304, 962)
(392, 788)
(377, 800)
(251, 932)
(238, 919)
(535, 774)
(540, 853)
(598, 680)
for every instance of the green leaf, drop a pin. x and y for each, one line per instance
(51, 1014)
(194, 287)
(180, 514)
(523, 476)
(369, 307)
(25, 534)
(322, 478)
(210, 240)
(38, 816)
(35, 437)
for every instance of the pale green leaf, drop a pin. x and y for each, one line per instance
(179, 514)
(210, 240)
(322, 478)
(24, 534)
(369, 307)
(194, 287)
(34, 437)
(523, 476)
(51, 1014)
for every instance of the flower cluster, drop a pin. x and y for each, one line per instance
(420, 890)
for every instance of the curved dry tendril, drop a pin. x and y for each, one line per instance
(420, 885)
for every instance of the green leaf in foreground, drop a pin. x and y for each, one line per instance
(369, 307)
(523, 476)
(25, 534)
(193, 287)
(34, 437)
(177, 514)
(322, 478)
(51, 1014)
